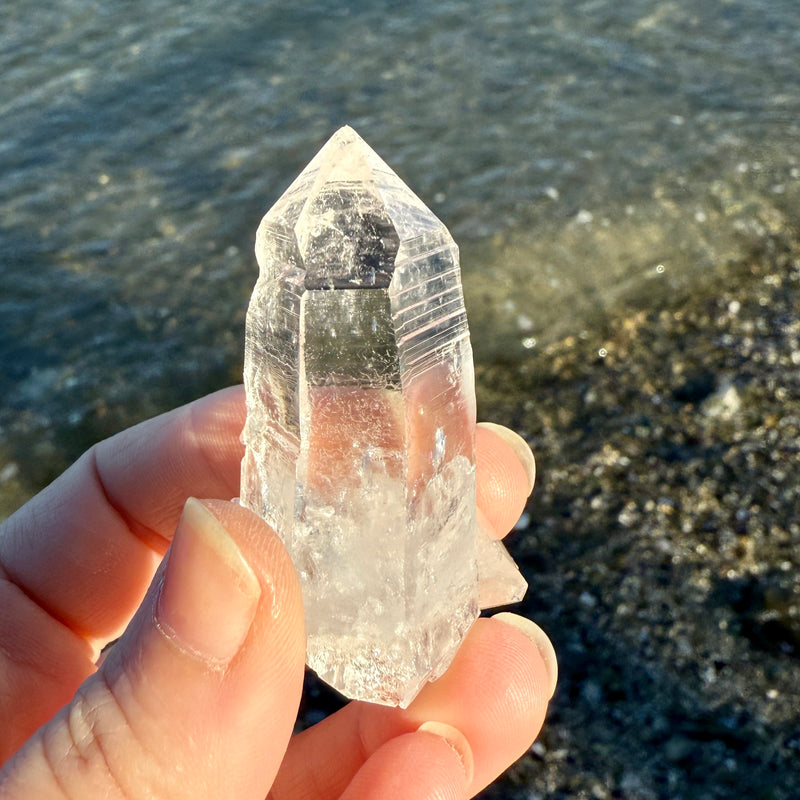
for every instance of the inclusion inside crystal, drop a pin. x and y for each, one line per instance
(359, 434)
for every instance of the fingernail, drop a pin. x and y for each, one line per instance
(519, 446)
(209, 595)
(456, 741)
(539, 638)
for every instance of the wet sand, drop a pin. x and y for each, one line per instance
(664, 542)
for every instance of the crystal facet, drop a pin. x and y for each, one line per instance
(360, 417)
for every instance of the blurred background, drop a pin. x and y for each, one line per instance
(624, 182)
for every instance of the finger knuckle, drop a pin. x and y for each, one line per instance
(83, 753)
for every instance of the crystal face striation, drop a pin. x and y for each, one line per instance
(360, 419)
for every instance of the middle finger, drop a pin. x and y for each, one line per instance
(495, 693)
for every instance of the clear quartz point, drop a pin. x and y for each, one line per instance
(360, 418)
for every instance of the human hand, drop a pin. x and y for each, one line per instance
(199, 695)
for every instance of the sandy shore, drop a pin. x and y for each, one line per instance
(664, 543)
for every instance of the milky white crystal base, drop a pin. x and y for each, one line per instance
(359, 434)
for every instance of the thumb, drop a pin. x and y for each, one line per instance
(199, 697)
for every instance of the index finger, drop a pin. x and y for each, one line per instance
(85, 548)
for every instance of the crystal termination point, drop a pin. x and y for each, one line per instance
(360, 418)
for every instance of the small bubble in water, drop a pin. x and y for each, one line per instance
(660, 269)
(524, 322)
(602, 352)
(8, 472)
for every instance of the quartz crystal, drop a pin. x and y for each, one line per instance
(360, 421)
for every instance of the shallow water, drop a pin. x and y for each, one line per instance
(581, 153)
